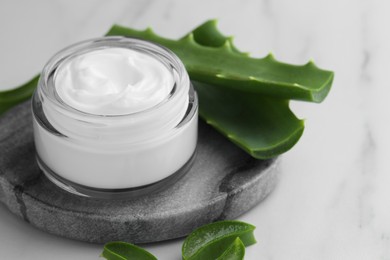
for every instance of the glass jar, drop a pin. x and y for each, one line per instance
(115, 156)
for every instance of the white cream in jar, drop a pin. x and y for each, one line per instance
(113, 115)
(113, 81)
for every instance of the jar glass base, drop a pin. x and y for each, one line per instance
(99, 193)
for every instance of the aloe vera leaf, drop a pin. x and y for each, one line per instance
(12, 97)
(210, 241)
(262, 126)
(236, 251)
(261, 142)
(124, 251)
(223, 66)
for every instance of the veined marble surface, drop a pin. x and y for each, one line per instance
(333, 199)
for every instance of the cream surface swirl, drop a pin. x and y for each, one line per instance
(113, 81)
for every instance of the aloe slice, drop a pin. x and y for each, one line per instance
(210, 241)
(236, 251)
(224, 66)
(124, 251)
(262, 126)
(14, 96)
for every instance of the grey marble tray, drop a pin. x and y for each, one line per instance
(223, 183)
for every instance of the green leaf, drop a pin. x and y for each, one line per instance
(236, 251)
(212, 240)
(224, 66)
(248, 120)
(15, 96)
(125, 251)
(262, 126)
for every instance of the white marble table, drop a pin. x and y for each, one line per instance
(333, 199)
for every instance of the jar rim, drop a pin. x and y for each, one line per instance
(48, 89)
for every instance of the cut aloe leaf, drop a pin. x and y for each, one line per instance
(256, 138)
(224, 66)
(125, 251)
(236, 251)
(12, 97)
(262, 126)
(212, 240)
